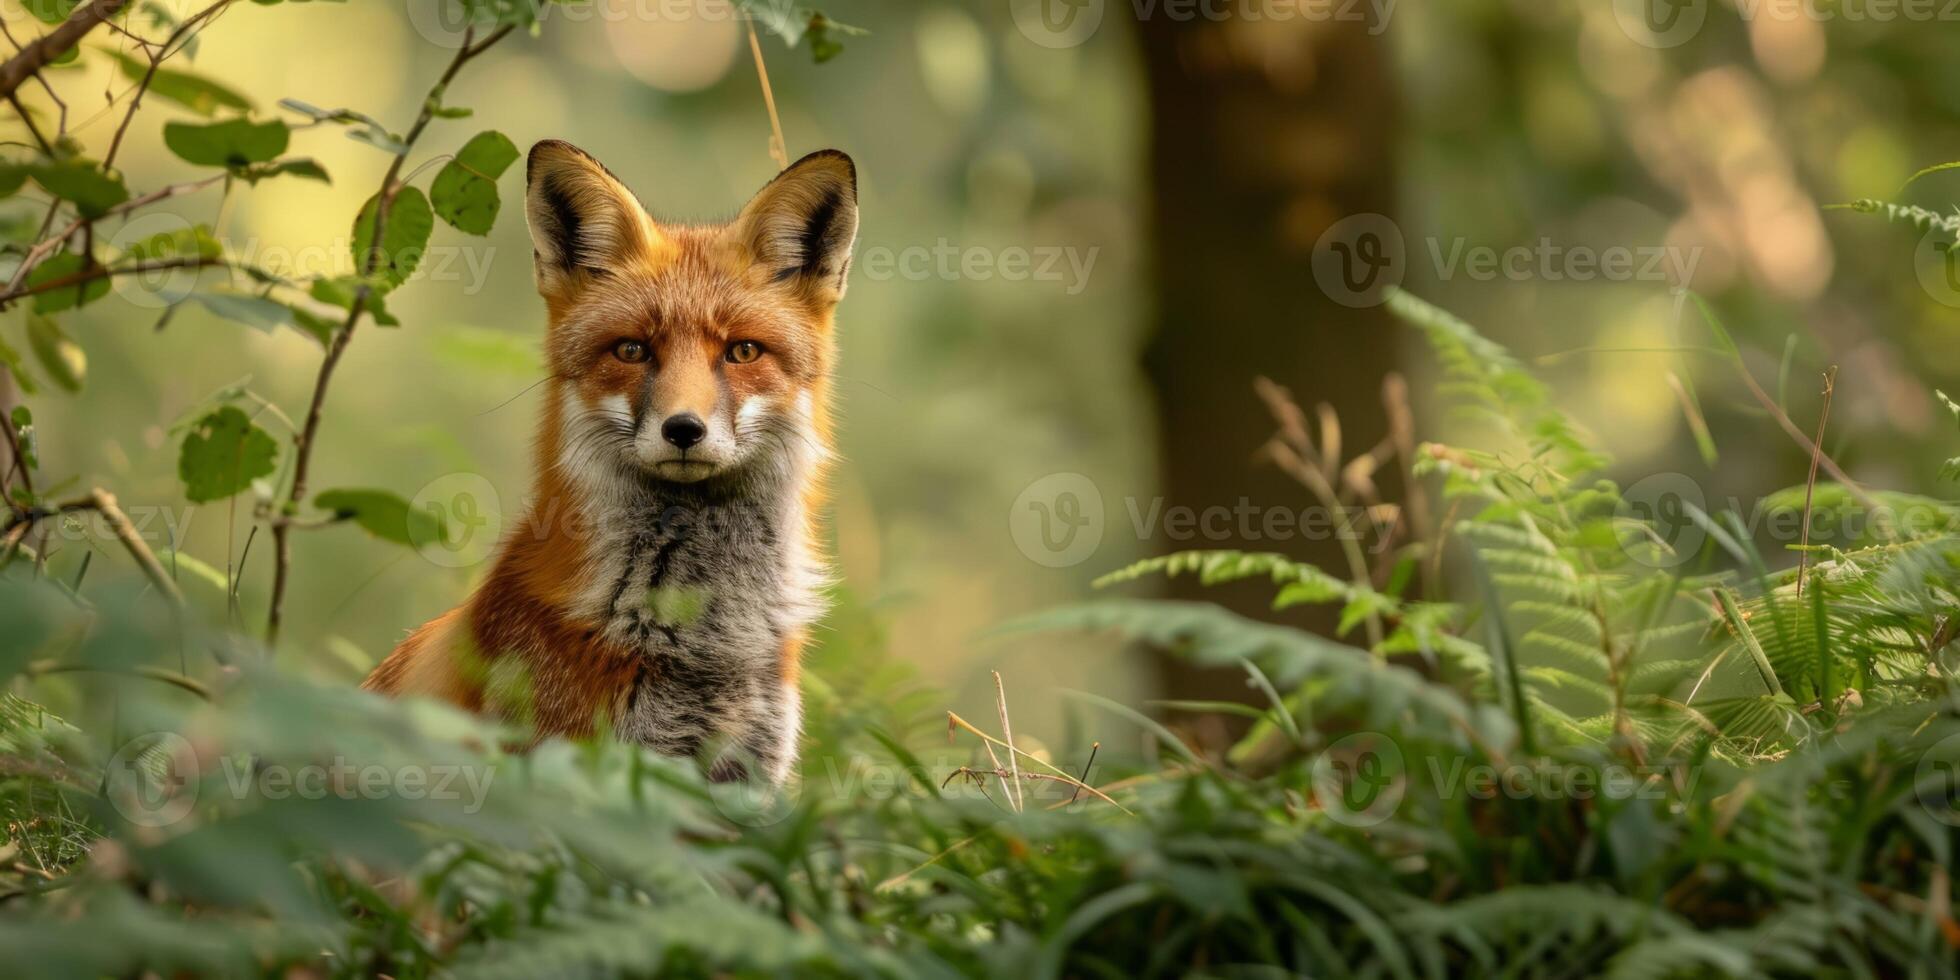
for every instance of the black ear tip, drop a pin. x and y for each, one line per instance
(545, 150)
(829, 159)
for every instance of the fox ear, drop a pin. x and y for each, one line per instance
(584, 222)
(799, 228)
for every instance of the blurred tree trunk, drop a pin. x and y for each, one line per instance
(1265, 134)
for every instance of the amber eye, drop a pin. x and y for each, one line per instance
(743, 351)
(630, 351)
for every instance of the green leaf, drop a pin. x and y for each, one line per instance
(341, 292)
(82, 183)
(465, 190)
(67, 297)
(196, 242)
(318, 327)
(60, 357)
(223, 453)
(383, 514)
(194, 92)
(794, 23)
(234, 143)
(247, 308)
(826, 37)
(50, 11)
(11, 360)
(305, 167)
(22, 419)
(404, 237)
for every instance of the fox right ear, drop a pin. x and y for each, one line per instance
(584, 222)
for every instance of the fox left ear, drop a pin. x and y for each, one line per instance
(799, 228)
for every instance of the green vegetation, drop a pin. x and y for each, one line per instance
(1598, 762)
(1562, 728)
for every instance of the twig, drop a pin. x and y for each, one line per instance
(1094, 747)
(778, 149)
(1818, 455)
(1810, 484)
(37, 54)
(95, 272)
(954, 721)
(48, 243)
(41, 668)
(303, 446)
(156, 62)
(1007, 733)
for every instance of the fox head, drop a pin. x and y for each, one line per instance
(687, 353)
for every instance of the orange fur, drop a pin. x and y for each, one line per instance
(609, 274)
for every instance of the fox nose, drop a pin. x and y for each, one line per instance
(683, 430)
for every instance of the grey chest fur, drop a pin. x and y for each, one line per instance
(708, 591)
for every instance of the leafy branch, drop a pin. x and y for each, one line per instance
(282, 522)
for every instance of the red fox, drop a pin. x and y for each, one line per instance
(666, 571)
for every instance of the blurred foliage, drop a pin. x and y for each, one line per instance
(1785, 736)
(1421, 808)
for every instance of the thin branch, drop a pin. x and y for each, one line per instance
(156, 62)
(303, 447)
(778, 149)
(1007, 733)
(93, 273)
(42, 668)
(45, 49)
(954, 721)
(1810, 484)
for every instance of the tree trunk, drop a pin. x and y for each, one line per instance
(1265, 135)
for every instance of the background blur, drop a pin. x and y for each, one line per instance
(1086, 228)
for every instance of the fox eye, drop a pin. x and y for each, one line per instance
(630, 351)
(743, 351)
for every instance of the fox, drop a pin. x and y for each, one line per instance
(666, 571)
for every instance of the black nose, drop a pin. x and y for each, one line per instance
(683, 430)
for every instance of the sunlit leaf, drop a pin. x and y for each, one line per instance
(465, 190)
(234, 143)
(222, 454)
